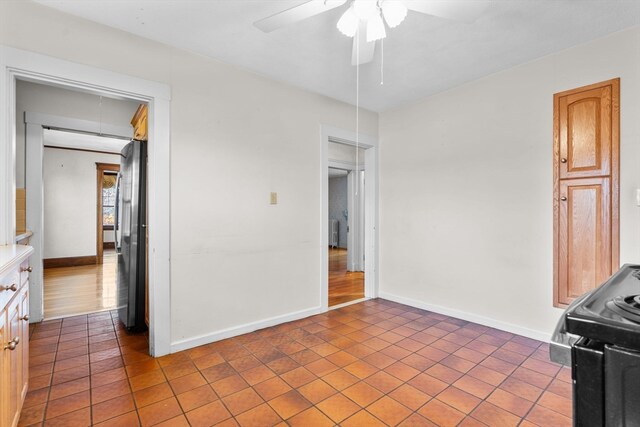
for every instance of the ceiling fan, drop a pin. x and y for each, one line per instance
(363, 19)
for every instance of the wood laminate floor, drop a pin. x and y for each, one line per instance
(344, 286)
(374, 363)
(69, 291)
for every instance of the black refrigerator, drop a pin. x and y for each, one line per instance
(131, 214)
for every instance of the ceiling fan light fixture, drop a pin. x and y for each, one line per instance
(394, 12)
(375, 29)
(348, 23)
(365, 9)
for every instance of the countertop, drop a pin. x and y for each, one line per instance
(11, 255)
(24, 235)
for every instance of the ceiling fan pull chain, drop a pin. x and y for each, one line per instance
(382, 62)
(357, 107)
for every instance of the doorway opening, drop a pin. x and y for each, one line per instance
(71, 165)
(349, 190)
(64, 140)
(79, 275)
(346, 236)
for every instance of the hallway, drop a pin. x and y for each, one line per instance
(70, 291)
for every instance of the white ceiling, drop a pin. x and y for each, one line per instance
(422, 56)
(80, 141)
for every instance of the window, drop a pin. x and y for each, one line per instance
(108, 200)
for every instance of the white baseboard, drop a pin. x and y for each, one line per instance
(470, 317)
(242, 329)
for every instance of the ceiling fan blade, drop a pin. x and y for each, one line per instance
(296, 14)
(459, 10)
(367, 49)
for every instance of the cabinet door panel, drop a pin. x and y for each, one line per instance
(585, 132)
(5, 417)
(24, 340)
(584, 236)
(14, 359)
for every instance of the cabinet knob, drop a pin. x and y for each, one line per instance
(12, 287)
(25, 318)
(28, 269)
(11, 345)
(563, 198)
(563, 160)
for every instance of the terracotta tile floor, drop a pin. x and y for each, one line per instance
(370, 364)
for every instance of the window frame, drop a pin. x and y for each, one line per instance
(101, 169)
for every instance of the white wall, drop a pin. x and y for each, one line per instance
(235, 136)
(345, 153)
(466, 187)
(70, 201)
(38, 98)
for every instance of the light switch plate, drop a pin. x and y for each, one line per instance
(638, 197)
(274, 198)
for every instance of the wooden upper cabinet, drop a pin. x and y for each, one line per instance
(586, 188)
(586, 129)
(139, 123)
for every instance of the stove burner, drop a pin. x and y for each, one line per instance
(628, 307)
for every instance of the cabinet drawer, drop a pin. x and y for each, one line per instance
(13, 278)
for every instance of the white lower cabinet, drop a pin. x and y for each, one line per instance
(14, 342)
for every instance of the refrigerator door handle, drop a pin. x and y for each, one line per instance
(117, 216)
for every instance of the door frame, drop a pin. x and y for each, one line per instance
(101, 168)
(20, 64)
(370, 145)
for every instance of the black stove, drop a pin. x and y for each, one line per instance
(599, 335)
(627, 307)
(611, 313)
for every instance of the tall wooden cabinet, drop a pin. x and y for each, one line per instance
(14, 331)
(586, 188)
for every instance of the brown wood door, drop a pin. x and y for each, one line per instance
(586, 188)
(585, 239)
(586, 132)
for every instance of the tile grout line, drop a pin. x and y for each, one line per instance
(540, 397)
(124, 366)
(55, 358)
